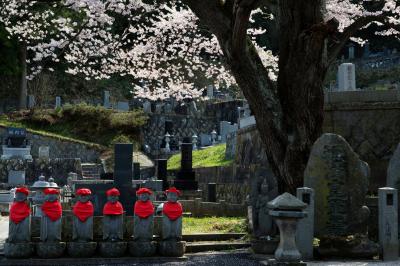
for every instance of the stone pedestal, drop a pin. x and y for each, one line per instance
(142, 248)
(81, 249)
(18, 250)
(48, 250)
(113, 249)
(388, 223)
(172, 248)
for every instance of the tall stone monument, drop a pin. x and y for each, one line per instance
(186, 177)
(82, 226)
(162, 172)
(347, 77)
(340, 182)
(18, 244)
(123, 175)
(143, 244)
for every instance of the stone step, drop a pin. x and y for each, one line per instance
(212, 237)
(193, 247)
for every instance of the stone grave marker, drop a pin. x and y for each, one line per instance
(106, 99)
(186, 177)
(123, 106)
(305, 232)
(225, 128)
(340, 180)
(44, 152)
(136, 171)
(162, 172)
(346, 77)
(31, 101)
(147, 107)
(210, 91)
(123, 171)
(16, 177)
(58, 102)
(393, 171)
(205, 139)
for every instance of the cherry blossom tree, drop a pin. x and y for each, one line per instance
(168, 44)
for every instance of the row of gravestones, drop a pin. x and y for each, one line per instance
(19, 244)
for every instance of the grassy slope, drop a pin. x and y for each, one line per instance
(214, 225)
(208, 157)
(56, 131)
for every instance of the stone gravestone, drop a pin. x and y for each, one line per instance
(123, 175)
(16, 177)
(205, 139)
(147, 107)
(44, 152)
(162, 172)
(123, 106)
(31, 101)
(186, 177)
(58, 102)
(136, 171)
(346, 77)
(340, 180)
(210, 91)
(106, 99)
(393, 171)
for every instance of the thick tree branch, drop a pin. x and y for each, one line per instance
(334, 51)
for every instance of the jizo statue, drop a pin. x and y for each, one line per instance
(82, 230)
(113, 217)
(143, 216)
(50, 229)
(172, 216)
(19, 222)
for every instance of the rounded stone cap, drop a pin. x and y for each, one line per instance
(288, 202)
(41, 183)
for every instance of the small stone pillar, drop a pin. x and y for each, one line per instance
(287, 210)
(143, 222)
(212, 192)
(82, 244)
(113, 226)
(172, 244)
(388, 223)
(305, 232)
(18, 244)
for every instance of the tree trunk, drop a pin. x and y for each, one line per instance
(23, 88)
(289, 113)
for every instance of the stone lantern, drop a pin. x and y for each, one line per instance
(287, 210)
(38, 197)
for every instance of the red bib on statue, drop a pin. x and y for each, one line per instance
(173, 210)
(19, 211)
(113, 208)
(143, 209)
(53, 210)
(83, 210)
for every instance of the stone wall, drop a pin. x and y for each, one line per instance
(371, 129)
(61, 148)
(56, 168)
(182, 126)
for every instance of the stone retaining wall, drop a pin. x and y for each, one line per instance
(60, 148)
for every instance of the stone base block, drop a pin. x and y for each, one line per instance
(172, 248)
(261, 246)
(113, 249)
(18, 250)
(274, 262)
(81, 249)
(48, 250)
(142, 249)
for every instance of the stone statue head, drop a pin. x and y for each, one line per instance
(144, 197)
(113, 195)
(21, 194)
(83, 194)
(51, 194)
(143, 194)
(172, 194)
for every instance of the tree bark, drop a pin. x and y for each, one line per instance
(289, 113)
(23, 88)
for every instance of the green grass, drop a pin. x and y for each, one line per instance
(208, 157)
(192, 225)
(55, 131)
